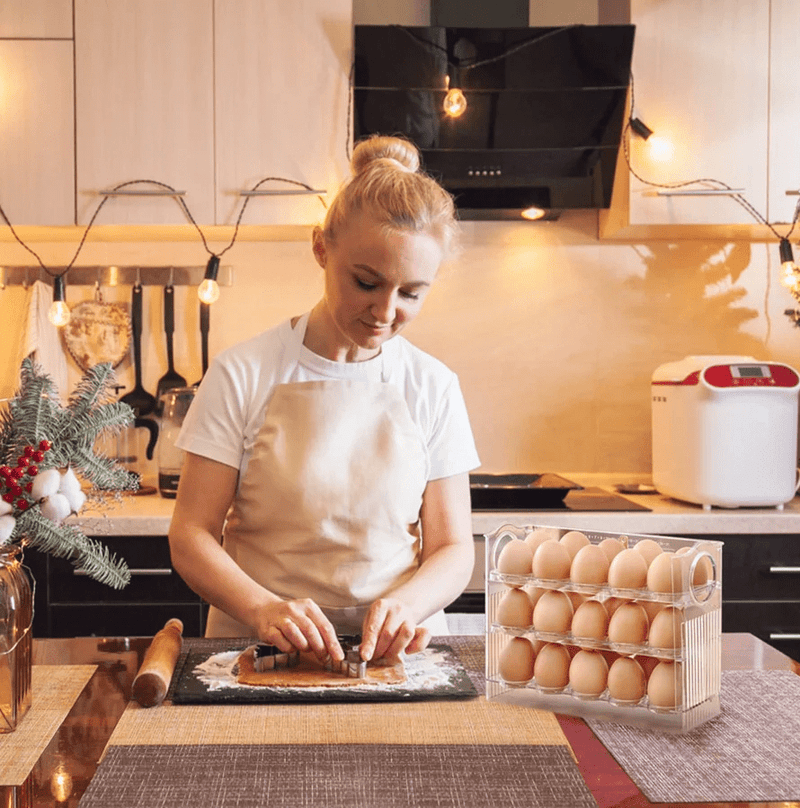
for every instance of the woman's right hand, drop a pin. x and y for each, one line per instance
(298, 625)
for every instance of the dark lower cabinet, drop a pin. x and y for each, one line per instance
(69, 604)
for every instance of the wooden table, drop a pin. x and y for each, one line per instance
(67, 765)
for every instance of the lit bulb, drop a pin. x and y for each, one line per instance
(532, 213)
(454, 102)
(59, 312)
(660, 148)
(208, 291)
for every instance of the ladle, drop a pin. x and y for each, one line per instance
(171, 378)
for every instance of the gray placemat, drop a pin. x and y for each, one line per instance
(338, 776)
(748, 753)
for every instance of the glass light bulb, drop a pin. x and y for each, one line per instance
(532, 213)
(59, 313)
(208, 291)
(454, 102)
(659, 148)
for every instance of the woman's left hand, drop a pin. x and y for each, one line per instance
(390, 629)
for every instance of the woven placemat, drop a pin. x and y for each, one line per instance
(338, 776)
(749, 753)
(54, 688)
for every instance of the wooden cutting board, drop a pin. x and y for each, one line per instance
(97, 332)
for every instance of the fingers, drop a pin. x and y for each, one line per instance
(300, 625)
(419, 642)
(388, 630)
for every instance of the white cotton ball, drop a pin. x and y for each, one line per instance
(55, 507)
(7, 523)
(75, 499)
(69, 483)
(5, 507)
(45, 484)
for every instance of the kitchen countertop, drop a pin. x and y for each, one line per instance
(150, 515)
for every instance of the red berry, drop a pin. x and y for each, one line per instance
(38, 456)
(5, 471)
(16, 489)
(29, 487)
(28, 451)
(22, 462)
(44, 445)
(32, 471)
(8, 497)
(17, 473)
(23, 504)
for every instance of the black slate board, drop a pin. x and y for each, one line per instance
(188, 688)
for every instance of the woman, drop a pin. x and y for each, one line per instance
(331, 455)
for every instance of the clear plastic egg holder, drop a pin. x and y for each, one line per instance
(699, 653)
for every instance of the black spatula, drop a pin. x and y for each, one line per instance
(205, 327)
(140, 401)
(171, 378)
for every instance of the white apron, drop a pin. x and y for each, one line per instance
(329, 504)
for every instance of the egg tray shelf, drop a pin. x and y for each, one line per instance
(640, 713)
(603, 592)
(590, 644)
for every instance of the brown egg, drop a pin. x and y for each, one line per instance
(534, 593)
(590, 620)
(576, 598)
(515, 609)
(664, 685)
(539, 535)
(628, 570)
(517, 660)
(573, 540)
(611, 547)
(652, 607)
(588, 673)
(626, 680)
(649, 548)
(628, 624)
(515, 558)
(703, 568)
(612, 604)
(589, 566)
(665, 630)
(551, 561)
(665, 573)
(553, 612)
(551, 669)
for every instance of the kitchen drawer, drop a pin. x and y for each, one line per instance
(130, 620)
(775, 622)
(152, 578)
(760, 567)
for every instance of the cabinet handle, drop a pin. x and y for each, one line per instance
(782, 636)
(142, 571)
(792, 192)
(283, 192)
(784, 570)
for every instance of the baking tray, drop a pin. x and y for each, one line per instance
(435, 673)
(509, 492)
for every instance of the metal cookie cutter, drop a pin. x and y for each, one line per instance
(269, 657)
(352, 665)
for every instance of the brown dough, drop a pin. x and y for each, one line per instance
(310, 672)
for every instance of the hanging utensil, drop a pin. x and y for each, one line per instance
(205, 327)
(138, 399)
(171, 378)
(97, 332)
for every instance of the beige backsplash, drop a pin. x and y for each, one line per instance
(553, 334)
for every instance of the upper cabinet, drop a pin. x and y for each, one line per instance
(719, 84)
(282, 89)
(37, 169)
(144, 108)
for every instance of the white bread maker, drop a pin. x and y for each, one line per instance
(725, 431)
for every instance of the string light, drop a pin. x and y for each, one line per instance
(208, 291)
(59, 313)
(532, 214)
(455, 102)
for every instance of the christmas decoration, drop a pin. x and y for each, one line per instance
(45, 448)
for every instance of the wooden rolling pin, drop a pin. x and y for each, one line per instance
(152, 682)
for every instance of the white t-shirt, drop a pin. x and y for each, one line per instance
(229, 408)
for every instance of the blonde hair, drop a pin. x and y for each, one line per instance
(387, 183)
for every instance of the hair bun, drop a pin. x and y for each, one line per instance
(402, 152)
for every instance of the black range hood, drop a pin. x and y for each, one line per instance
(544, 118)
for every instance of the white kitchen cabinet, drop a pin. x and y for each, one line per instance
(144, 107)
(281, 88)
(701, 79)
(36, 19)
(37, 169)
(784, 109)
